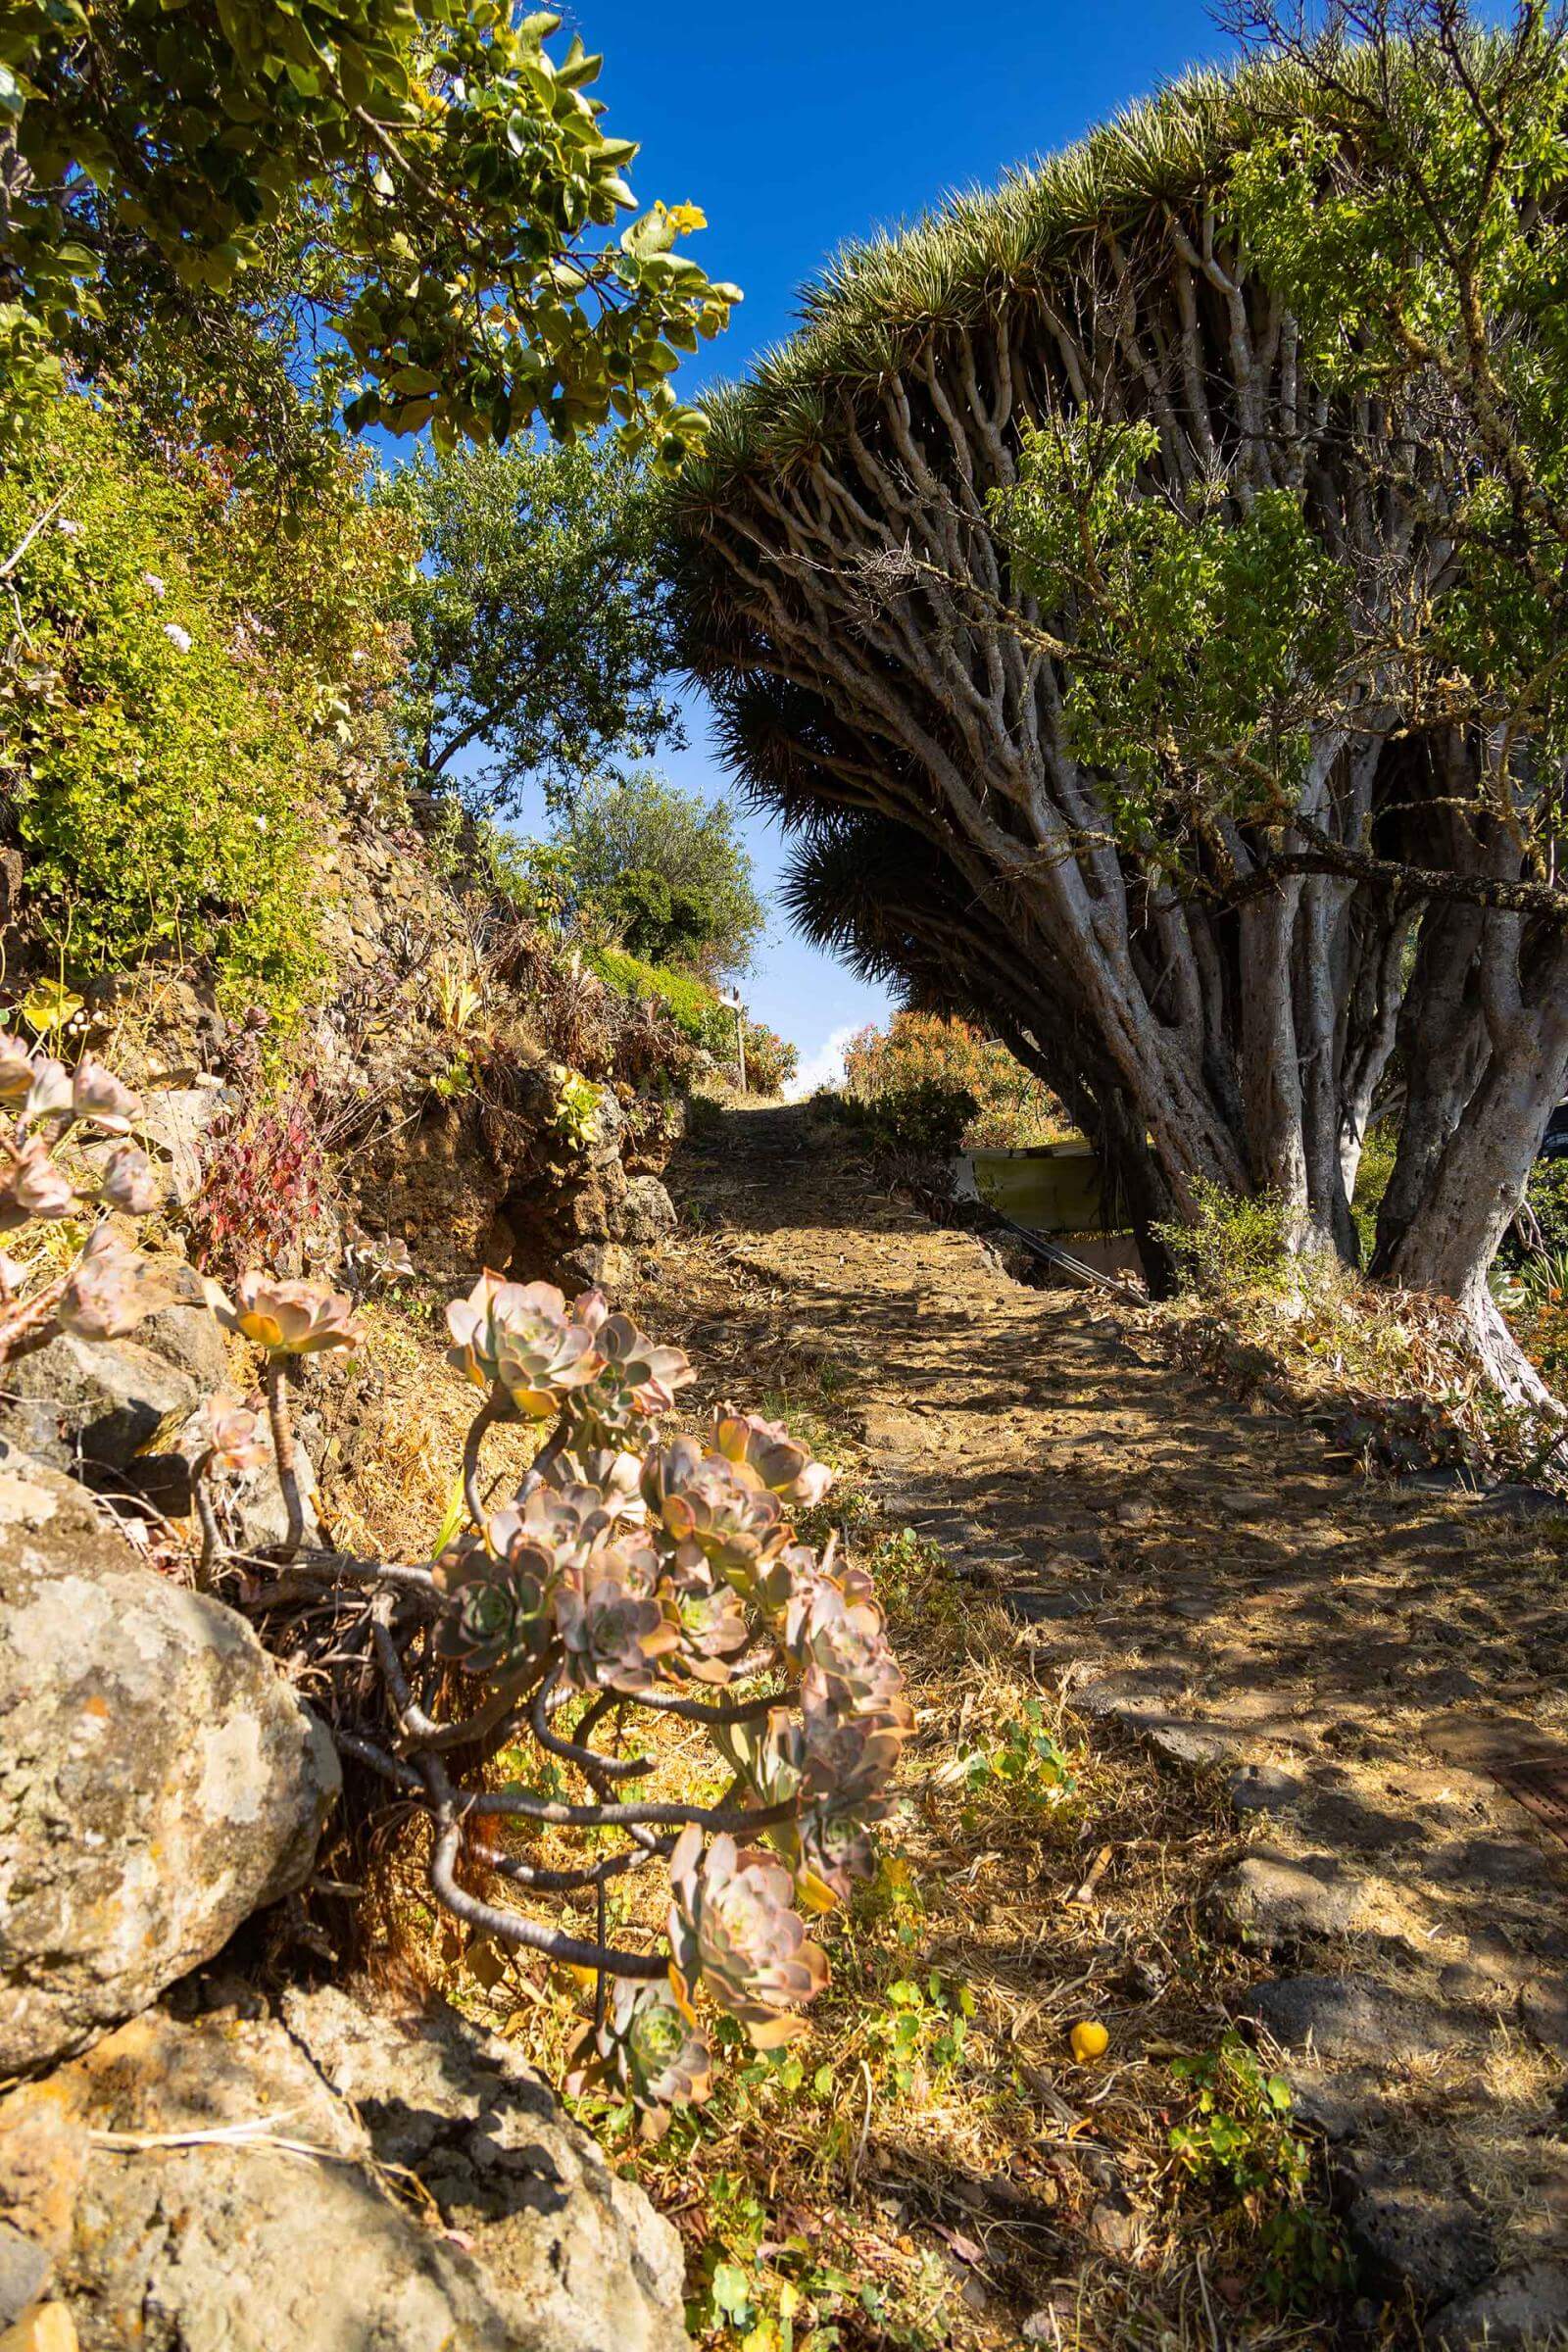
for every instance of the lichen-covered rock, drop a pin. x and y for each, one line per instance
(1355, 2018)
(1273, 1898)
(531, 2244)
(1414, 2224)
(159, 1781)
(576, 2257)
(107, 1402)
(92, 1400)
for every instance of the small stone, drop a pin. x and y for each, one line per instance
(1272, 1899)
(1515, 1501)
(1524, 2306)
(24, 2272)
(1353, 2016)
(1448, 1684)
(1113, 2228)
(1263, 1788)
(1470, 1986)
(1544, 2012)
(1036, 1607)
(1114, 1693)
(1416, 2229)
(1318, 2098)
(1184, 1741)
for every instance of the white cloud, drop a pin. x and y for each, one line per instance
(825, 1068)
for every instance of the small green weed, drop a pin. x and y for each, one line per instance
(921, 2029)
(1239, 2145)
(914, 1576)
(577, 1101)
(1024, 1759)
(764, 2287)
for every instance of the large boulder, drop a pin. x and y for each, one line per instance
(277, 2227)
(159, 1780)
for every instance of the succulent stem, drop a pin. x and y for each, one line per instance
(211, 1539)
(282, 1427)
(587, 1759)
(489, 1413)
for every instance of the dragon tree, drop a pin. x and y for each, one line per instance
(1142, 588)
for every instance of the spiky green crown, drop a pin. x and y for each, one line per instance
(879, 301)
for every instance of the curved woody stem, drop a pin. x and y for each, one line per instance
(207, 1518)
(483, 1420)
(280, 1422)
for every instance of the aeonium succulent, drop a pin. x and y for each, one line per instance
(647, 2050)
(834, 1850)
(713, 1510)
(711, 1626)
(570, 1521)
(499, 1590)
(635, 1380)
(50, 1095)
(129, 1183)
(733, 1933)
(832, 1625)
(286, 1318)
(99, 1100)
(16, 1069)
(615, 1474)
(235, 1438)
(778, 1461)
(111, 1289)
(31, 1185)
(614, 1629)
(846, 1753)
(523, 1337)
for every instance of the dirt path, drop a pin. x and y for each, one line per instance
(1352, 1657)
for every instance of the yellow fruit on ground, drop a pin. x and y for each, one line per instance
(1088, 2040)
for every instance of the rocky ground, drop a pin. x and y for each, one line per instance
(1374, 1670)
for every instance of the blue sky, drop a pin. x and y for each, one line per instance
(798, 128)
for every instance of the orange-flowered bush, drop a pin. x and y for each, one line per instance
(929, 1083)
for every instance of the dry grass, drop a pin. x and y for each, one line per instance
(1395, 1369)
(395, 1432)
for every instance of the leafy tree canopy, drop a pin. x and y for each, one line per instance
(444, 176)
(538, 628)
(662, 872)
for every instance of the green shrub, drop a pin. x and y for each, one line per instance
(1235, 1244)
(1238, 2144)
(701, 1015)
(771, 1061)
(695, 1009)
(923, 1116)
(185, 677)
(929, 1084)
